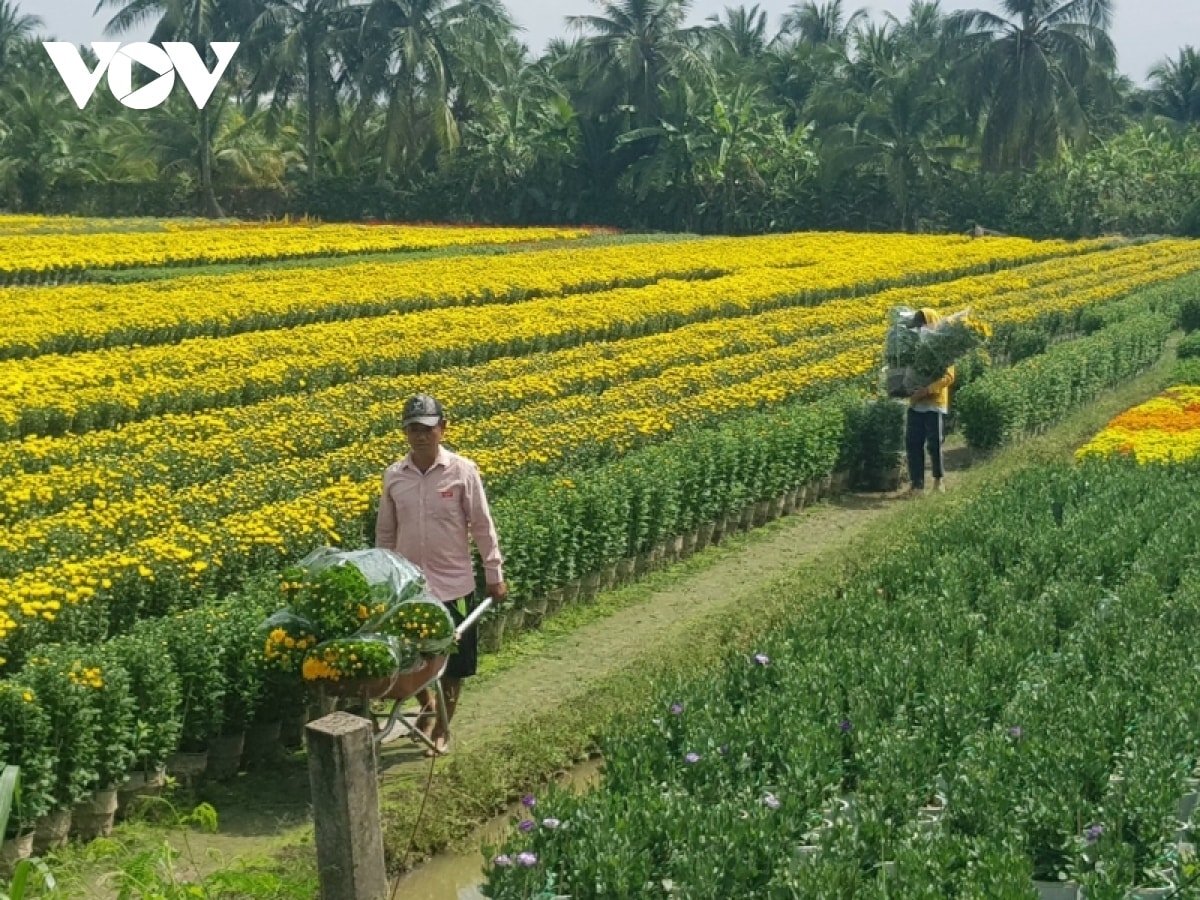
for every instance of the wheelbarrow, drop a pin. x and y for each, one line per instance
(403, 686)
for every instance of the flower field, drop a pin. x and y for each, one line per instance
(76, 317)
(1164, 429)
(168, 444)
(34, 256)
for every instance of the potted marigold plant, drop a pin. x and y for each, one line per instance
(357, 665)
(25, 736)
(64, 692)
(155, 687)
(233, 630)
(281, 643)
(196, 656)
(109, 693)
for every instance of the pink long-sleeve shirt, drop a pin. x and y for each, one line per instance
(427, 518)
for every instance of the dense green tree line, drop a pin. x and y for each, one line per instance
(1016, 120)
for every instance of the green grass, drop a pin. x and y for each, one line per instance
(532, 644)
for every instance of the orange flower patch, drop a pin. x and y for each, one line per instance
(1165, 429)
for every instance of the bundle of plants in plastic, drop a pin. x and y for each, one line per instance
(353, 616)
(917, 356)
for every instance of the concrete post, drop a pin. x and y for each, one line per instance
(341, 774)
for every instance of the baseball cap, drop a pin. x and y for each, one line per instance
(422, 409)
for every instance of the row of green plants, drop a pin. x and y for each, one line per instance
(1006, 403)
(79, 718)
(1007, 695)
(1012, 342)
(564, 527)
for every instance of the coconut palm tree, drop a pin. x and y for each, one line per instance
(198, 22)
(1175, 87)
(15, 27)
(1027, 70)
(902, 131)
(822, 23)
(409, 61)
(742, 34)
(300, 41)
(641, 41)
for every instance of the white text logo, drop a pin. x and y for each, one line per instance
(117, 61)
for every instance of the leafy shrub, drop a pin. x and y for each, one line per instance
(197, 658)
(1189, 314)
(1189, 347)
(157, 696)
(876, 430)
(25, 733)
(1038, 391)
(1026, 342)
(63, 687)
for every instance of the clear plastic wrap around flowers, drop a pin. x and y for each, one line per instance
(946, 342)
(334, 599)
(422, 621)
(902, 382)
(916, 357)
(348, 661)
(390, 577)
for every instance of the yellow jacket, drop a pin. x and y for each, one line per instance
(939, 391)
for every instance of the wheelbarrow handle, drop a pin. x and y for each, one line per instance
(474, 617)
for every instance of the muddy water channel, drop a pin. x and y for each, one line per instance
(457, 876)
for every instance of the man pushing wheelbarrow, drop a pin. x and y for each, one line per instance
(432, 503)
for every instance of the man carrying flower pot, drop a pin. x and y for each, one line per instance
(433, 501)
(925, 424)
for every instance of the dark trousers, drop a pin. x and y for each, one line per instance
(923, 429)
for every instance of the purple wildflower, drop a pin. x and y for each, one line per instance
(502, 860)
(692, 758)
(529, 800)
(771, 801)
(1015, 732)
(845, 725)
(762, 659)
(526, 825)
(527, 858)
(1093, 833)
(676, 709)
(550, 823)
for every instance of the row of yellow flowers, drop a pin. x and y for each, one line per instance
(112, 476)
(91, 316)
(507, 445)
(86, 391)
(1165, 429)
(610, 423)
(36, 254)
(222, 439)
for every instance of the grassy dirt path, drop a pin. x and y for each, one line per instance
(566, 668)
